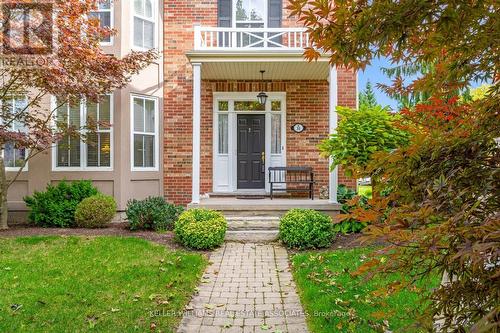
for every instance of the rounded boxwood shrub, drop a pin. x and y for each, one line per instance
(55, 207)
(306, 229)
(95, 211)
(152, 213)
(201, 229)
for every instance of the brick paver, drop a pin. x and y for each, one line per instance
(247, 288)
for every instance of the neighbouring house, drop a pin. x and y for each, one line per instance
(191, 126)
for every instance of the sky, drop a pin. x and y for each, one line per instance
(374, 74)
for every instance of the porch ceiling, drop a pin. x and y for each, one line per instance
(274, 71)
(247, 66)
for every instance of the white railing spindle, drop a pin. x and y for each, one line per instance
(217, 38)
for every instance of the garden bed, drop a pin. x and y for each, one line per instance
(106, 284)
(114, 229)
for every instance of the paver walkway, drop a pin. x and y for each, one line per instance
(247, 288)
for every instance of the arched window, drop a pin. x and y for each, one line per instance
(144, 24)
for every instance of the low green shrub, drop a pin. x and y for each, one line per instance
(152, 213)
(348, 226)
(344, 194)
(306, 229)
(201, 229)
(95, 211)
(55, 207)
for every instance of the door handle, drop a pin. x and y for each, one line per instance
(263, 157)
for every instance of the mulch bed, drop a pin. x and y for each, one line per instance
(346, 241)
(114, 229)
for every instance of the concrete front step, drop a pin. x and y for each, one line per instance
(264, 207)
(253, 222)
(252, 235)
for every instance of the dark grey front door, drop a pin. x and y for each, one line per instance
(251, 147)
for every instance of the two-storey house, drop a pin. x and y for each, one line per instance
(230, 96)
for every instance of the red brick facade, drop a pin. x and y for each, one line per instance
(307, 103)
(180, 16)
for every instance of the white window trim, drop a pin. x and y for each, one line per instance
(266, 15)
(111, 10)
(83, 151)
(156, 134)
(231, 97)
(155, 30)
(15, 169)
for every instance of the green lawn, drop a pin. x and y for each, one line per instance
(102, 284)
(365, 190)
(337, 302)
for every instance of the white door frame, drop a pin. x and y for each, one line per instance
(225, 166)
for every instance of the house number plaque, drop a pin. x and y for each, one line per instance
(298, 128)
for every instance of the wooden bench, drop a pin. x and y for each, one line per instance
(292, 175)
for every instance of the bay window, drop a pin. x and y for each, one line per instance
(94, 121)
(144, 133)
(99, 141)
(14, 157)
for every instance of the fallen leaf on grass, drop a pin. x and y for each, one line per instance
(92, 321)
(115, 310)
(378, 314)
(16, 307)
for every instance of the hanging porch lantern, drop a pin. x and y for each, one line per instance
(262, 96)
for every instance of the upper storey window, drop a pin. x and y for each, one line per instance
(104, 14)
(144, 24)
(250, 13)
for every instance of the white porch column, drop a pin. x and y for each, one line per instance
(333, 101)
(196, 132)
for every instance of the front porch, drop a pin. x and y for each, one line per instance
(227, 120)
(234, 207)
(257, 220)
